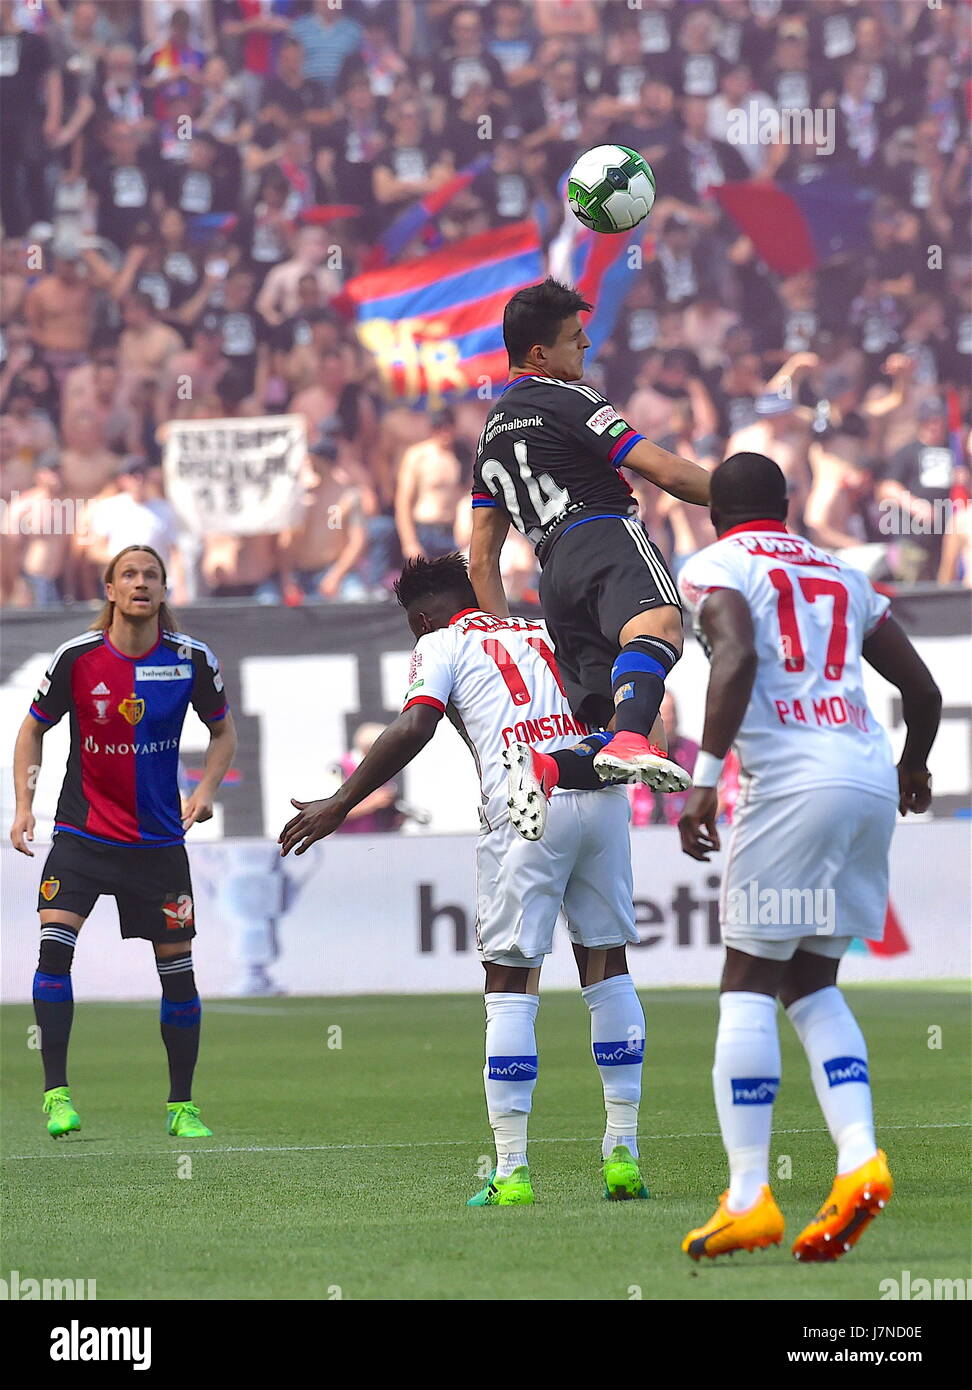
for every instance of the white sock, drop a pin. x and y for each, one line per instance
(618, 1044)
(745, 1078)
(837, 1054)
(510, 1074)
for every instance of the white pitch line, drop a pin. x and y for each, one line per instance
(66, 1152)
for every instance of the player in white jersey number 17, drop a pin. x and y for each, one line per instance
(497, 681)
(787, 626)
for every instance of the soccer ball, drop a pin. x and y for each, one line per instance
(611, 189)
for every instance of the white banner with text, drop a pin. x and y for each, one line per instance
(396, 915)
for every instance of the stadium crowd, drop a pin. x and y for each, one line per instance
(186, 188)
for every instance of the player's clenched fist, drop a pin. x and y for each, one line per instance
(317, 820)
(914, 787)
(697, 823)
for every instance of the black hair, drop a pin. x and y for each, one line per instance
(748, 486)
(535, 314)
(422, 579)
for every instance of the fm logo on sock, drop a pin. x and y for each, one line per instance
(840, 1070)
(512, 1068)
(754, 1090)
(619, 1054)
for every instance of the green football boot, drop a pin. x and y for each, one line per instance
(63, 1118)
(184, 1121)
(622, 1176)
(514, 1191)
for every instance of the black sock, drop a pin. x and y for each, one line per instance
(576, 764)
(638, 683)
(54, 999)
(180, 1018)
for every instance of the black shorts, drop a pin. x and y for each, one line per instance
(151, 886)
(597, 576)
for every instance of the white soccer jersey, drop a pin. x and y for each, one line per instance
(808, 723)
(497, 681)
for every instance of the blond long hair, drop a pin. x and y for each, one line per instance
(167, 619)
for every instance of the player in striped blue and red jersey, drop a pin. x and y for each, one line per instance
(119, 827)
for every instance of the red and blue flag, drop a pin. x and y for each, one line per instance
(435, 324)
(796, 227)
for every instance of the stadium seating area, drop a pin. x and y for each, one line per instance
(187, 190)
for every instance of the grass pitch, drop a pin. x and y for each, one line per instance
(349, 1133)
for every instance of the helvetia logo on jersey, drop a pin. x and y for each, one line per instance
(754, 1090)
(49, 888)
(163, 673)
(600, 420)
(132, 709)
(843, 1069)
(512, 1068)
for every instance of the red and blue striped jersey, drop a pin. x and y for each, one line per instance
(126, 721)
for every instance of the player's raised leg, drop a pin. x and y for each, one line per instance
(618, 1046)
(532, 776)
(837, 1053)
(180, 1019)
(510, 1075)
(54, 1014)
(651, 643)
(745, 1080)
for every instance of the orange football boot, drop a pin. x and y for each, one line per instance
(855, 1199)
(753, 1229)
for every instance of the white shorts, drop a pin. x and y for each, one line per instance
(582, 864)
(807, 871)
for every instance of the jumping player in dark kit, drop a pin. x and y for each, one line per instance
(548, 462)
(127, 685)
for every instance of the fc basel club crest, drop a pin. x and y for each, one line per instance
(49, 888)
(132, 709)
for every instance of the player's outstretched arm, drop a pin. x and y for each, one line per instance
(490, 526)
(672, 474)
(395, 749)
(891, 654)
(728, 628)
(27, 762)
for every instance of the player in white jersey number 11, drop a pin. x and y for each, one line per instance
(497, 681)
(787, 625)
